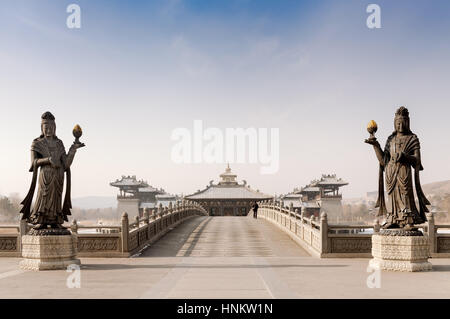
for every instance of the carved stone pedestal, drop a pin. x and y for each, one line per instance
(48, 252)
(399, 250)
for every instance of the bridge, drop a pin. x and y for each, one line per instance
(181, 252)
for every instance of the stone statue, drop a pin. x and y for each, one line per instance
(48, 154)
(400, 156)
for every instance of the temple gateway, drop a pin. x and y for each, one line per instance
(228, 197)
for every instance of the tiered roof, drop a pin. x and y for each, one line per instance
(130, 184)
(229, 188)
(327, 180)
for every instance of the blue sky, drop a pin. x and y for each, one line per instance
(137, 70)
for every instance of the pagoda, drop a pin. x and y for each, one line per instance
(135, 195)
(318, 196)
(228, 197)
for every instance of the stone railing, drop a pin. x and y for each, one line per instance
(114, 241)
(10, 241)
(323, 240)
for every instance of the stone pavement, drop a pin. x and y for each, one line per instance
(223, 257)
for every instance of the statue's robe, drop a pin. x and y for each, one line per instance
(401, 208)
(47, 207)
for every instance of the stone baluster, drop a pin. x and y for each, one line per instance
(324, 232)
(376, 226)
(74, 227)
(137, 221)
(146, 216)
(125, 232)
(431, 233)
(23, 225)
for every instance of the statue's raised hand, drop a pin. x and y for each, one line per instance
(76, 146)
(372, 141)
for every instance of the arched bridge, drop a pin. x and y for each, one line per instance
(181, 252)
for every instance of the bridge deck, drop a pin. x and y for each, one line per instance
(223, 257)
(225, 237)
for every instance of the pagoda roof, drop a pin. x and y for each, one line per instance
(229, 192)
(309, 189)
(310, 204)
(293, 196)
(228, 188)
(129, 181)
(329, 180)
(150, 189)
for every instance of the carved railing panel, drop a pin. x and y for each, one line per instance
(8, 244)
(351, 245)
(443, 244)
(97, 243)
(133, 241)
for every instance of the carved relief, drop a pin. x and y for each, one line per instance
(443, 245)
(133, 241)
(97, 244)
(8, 244)
(351, 245)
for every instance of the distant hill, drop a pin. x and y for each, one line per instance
(92, 202)
(437, 188)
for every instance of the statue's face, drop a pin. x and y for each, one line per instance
(401, 124)
(48, 129)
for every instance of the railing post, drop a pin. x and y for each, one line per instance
(376, 226)
(170, 213)
(146, 216)
(291, 209)
(23, 227)
(125, 232)
(324, 232)
(432, 233)
(74, 227)
(137, 221)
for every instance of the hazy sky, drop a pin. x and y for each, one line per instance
(136, 70)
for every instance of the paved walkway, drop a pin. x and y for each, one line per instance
(223, 257)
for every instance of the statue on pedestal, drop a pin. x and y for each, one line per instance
(400, 246)
(48, 154)
(49, 245)
(400, 156)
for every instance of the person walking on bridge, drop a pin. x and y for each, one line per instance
(255, 210)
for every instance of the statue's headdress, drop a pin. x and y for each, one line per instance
(47, 117)
(402, 112)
